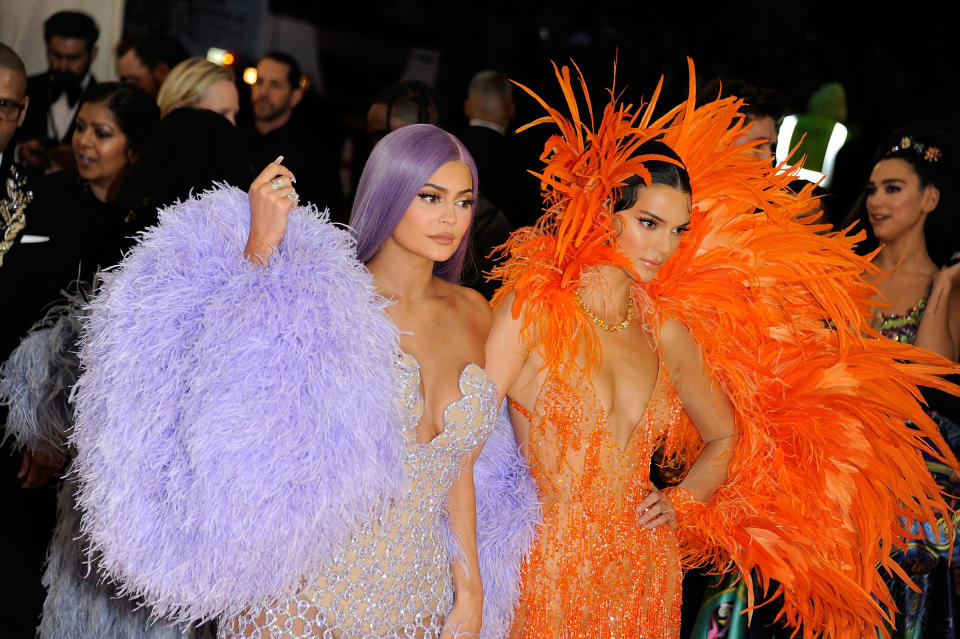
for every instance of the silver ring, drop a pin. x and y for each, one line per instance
(293, 197)
(277, 184)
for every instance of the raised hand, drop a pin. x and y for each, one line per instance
(272, 197)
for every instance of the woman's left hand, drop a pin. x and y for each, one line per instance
(464, 620)
(656, 510)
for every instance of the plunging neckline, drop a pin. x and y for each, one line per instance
(471, 368)
(605, 425)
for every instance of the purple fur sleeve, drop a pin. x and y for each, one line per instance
(234, 423)
(508, 512)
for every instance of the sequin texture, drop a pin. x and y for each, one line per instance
(593, 571)
(393, 579)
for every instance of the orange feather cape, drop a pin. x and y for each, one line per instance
(826, 470)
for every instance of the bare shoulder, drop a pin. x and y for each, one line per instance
(466, 304)
(674, 335)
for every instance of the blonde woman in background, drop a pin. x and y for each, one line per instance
(200, 84)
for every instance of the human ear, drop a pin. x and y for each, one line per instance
(160, 72)
(296, 96)
(616, 225)
(930, 198)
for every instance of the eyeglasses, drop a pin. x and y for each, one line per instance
(10, 109)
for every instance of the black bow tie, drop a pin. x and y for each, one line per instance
(63, 84)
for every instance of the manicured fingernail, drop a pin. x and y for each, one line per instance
(278, 160)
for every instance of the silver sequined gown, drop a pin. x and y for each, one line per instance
(393, 579)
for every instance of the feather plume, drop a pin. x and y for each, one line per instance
(78, 605)
(828, 472)
(234, 423)
(36, 380)
(508, 511)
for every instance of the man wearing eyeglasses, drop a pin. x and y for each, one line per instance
(14, 197)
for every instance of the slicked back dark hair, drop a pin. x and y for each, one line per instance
(661, 172)
(72, 24)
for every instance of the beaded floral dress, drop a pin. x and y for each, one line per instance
(934, 611)
(393, 579)
(593, 571)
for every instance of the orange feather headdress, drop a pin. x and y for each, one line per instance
(828, 472)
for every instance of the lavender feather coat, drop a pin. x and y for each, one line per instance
(235, 424)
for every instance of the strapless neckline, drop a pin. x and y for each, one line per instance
(473, 383)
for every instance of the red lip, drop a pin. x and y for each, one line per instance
(442, 238)
(651, 264)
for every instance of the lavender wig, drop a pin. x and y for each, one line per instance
(401, 163)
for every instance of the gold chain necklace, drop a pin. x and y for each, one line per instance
(616, 328)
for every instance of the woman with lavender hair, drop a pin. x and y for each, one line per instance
(299, 413)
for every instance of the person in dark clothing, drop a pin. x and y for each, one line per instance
(190, 151)
(71, 38)
(144, 58)
(277, 130)
(74, 219)
(72, 225)
(14, 195)
(504, 180)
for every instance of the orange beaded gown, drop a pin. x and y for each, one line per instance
(593, 571)
(825, 477)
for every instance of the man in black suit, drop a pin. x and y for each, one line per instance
(504, 180)
(71, 39)
(26, 493)
(14, 195)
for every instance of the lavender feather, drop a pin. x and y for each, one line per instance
(77, 605)
(36, 379)
(234, 424)
(508, 513)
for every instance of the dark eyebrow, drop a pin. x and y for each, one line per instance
(444, 190)
(656, 217)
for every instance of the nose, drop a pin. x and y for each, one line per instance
(664, 244)
(84, 138)
(448, 213)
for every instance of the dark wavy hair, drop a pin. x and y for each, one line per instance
(135, 111)
(941, 229)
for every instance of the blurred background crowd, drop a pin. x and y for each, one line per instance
(110, 109)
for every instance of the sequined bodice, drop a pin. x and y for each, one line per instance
(393, 579)
(903, 328)
(593, 571)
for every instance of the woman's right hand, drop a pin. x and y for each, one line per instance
(270, 206)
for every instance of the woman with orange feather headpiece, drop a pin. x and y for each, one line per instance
(670, 298)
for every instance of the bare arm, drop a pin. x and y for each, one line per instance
(505, 352)
(707, 407)
(466, 615)
(939, 330)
